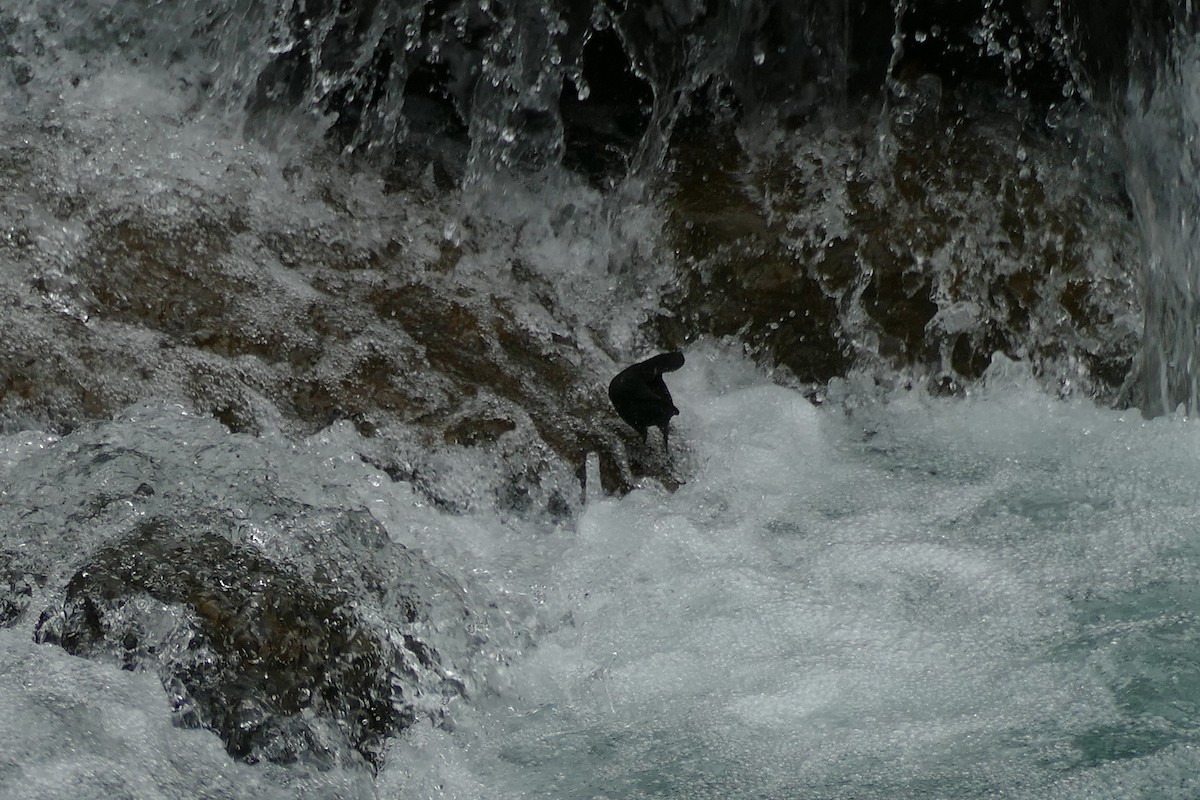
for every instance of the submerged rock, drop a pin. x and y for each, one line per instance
(281, 667)
(239, 571)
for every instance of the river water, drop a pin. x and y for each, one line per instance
(982, 599)
(872, 590)
(925, 598)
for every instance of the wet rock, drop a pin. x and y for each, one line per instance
(15, 594)
(951, 236)
(337, 342)
(278, 664)
(818, 252)
(737, 278)
(162, 305)
(140, 272)
(474, 430)
(485, 360)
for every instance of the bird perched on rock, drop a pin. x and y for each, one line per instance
(640, 395)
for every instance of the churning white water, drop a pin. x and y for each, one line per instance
(916, 599)
(895, 597)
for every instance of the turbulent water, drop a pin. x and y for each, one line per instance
(333, 293)
(928, 598)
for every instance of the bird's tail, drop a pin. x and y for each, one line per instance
(665, 362)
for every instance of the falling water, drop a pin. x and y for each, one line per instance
(1162, 133)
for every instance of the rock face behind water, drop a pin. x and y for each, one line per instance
(919, 245)
(295, 323)
(280, 668)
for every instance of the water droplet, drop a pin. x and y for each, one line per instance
(759, 57)
(1054, 116)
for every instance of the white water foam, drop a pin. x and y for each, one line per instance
(75, 729)
(919, 598)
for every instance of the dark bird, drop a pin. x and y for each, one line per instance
(640, 396)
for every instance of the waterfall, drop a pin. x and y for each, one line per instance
(511, 80)
(1161, 130)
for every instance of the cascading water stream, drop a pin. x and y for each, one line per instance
(1162, 134)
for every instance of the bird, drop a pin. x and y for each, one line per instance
(641, 397)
